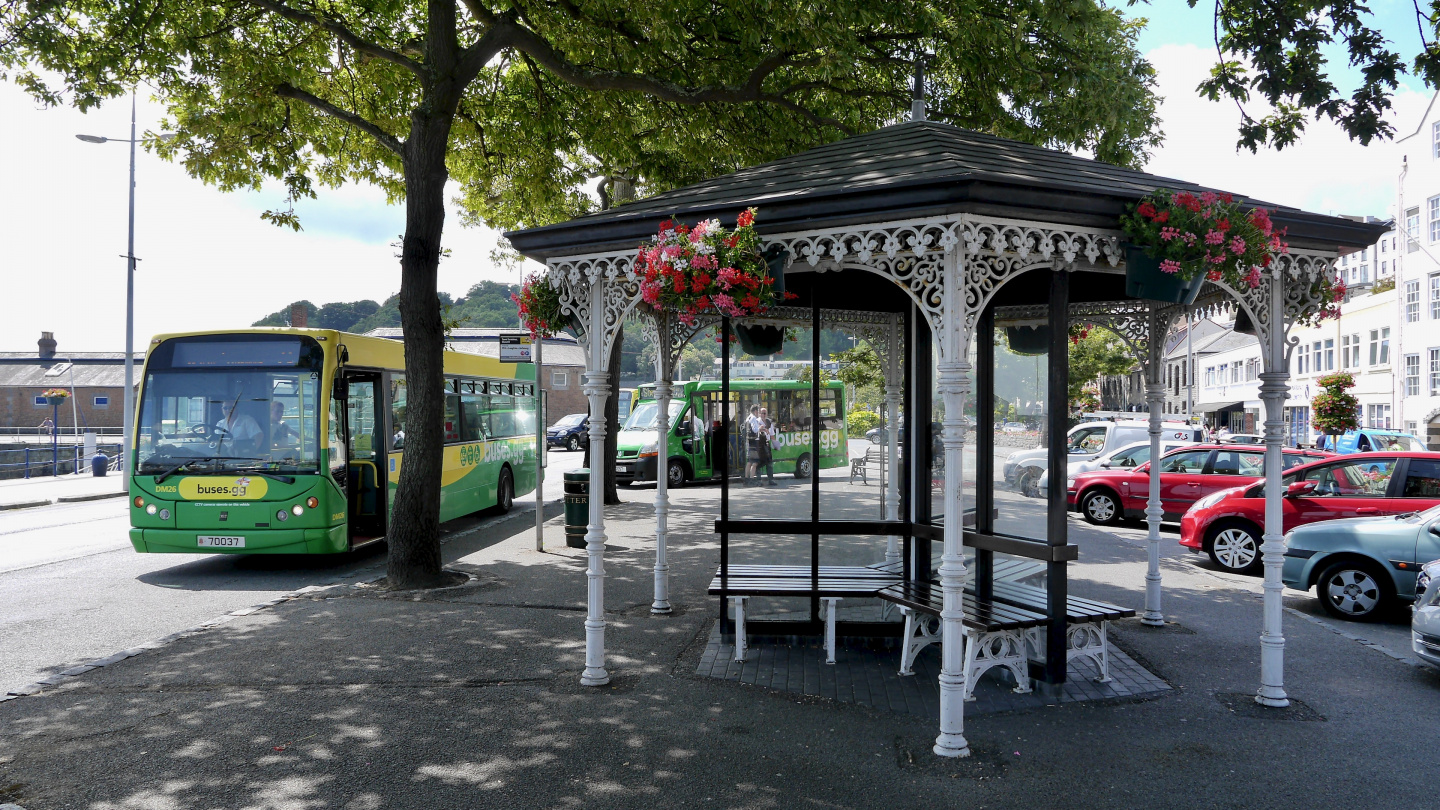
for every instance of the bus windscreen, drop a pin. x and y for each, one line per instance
(229, 354)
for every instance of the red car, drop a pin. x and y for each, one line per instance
(1105, 497)
(1227, 525)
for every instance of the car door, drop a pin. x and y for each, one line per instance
(1180, 479)
(1348, 488)
(1420, 488)
(1231, 468)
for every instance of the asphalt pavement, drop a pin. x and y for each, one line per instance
(75, 590)
(355, 698)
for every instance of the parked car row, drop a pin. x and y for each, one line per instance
(1086, 442)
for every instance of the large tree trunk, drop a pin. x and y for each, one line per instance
(612, 420)
(414, 534)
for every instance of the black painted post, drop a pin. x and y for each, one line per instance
(917, 430)
(906, 471)
(815, 458)
(721, 450)
(985, 449)
(1057, 524)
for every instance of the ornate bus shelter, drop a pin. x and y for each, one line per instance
(921, 237)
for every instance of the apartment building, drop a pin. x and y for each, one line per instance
(1418, 279)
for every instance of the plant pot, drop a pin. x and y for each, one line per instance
(776, 257)
(576, 326)
(1243, 324)
(56, 400)
(1028, 340)
(1145, 279)
(758, 340)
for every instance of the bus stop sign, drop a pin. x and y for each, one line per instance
(515, 348)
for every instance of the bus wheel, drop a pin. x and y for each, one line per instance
(803, 467)
(677, 474)
(505, 491)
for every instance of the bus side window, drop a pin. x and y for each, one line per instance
(452, 417)
(397, 411)
(472, 423)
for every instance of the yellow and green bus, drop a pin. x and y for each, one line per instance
(291, 441)
(695, 425)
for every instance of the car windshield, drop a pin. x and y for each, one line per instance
(571, 420)
(643, 417)
(1393, 442)
(229, 419)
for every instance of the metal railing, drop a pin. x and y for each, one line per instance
(64, 432)
(36, 466)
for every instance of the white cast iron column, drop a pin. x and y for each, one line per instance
(597, 388)
(1274, 387)
(1155, 398)
(663, 374)
(953, 385)
(893, 392)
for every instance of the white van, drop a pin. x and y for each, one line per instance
(1088, 440)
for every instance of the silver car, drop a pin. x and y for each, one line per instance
(1425, 624)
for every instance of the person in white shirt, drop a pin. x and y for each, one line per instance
(754, 426)
(238, 429)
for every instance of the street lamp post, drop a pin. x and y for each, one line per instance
(127, 438)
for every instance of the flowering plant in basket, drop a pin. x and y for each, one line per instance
(55, 393)
(1336, 409)
(688, 270)
(539, 303)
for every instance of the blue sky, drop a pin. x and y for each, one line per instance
(208, 261)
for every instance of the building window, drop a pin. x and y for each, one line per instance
(1378, 416)
(1434, 203)
(1364, 274)
(1235, 372)
(1210, 374)
(102, 402)
(1435, 371)
(41, 403)
(1329, 354)
(559, 379)
(1411, 427)
(1412, 375)
(1385, 346)
(1380, 346)
(1346, 360)
(1252, 369)
(1435, 139)
(1302, 360)
(1412, 301)
(1384, 271)
(1224, 374)
(1412, 230)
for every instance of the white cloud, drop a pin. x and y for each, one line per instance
(1325, 173)
(207, 260)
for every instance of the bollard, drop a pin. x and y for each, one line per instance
(99, 465)
(577, 507)
(27, 462)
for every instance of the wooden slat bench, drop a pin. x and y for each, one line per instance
(777, 580)
(995, 632)
(1087, 621)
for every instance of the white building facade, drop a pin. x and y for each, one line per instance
(1418, 279)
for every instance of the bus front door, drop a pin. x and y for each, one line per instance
(366, 442)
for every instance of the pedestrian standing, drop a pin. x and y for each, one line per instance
(753, 428)
(768, 436)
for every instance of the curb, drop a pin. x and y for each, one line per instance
(95, 497)
(23, 505)
(309, 590)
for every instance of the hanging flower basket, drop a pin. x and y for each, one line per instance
(1243, 324)
(1335, 408)
(539, 303)
(1194, 238)
(1028, 340)
(759, 340)
(689, 271)
(55, 396)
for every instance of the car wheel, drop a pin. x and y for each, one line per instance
(1354, 590)
(505, 491)
(1028, 482)
(803, 467)
(676, 475)
(1101, 507)
(572, 444)
(1235, 547)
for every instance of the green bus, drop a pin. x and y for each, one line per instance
(291, 441)
(695, 422)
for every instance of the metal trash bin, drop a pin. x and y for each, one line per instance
(99, 464)
(577, 507)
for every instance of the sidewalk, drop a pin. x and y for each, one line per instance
(470, 697)
(16, 493)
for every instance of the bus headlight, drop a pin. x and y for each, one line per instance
(164, 514)
(282, 515)
(298, 510)
(312, 502)
(151, 509)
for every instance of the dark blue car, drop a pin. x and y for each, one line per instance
(572, 432)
